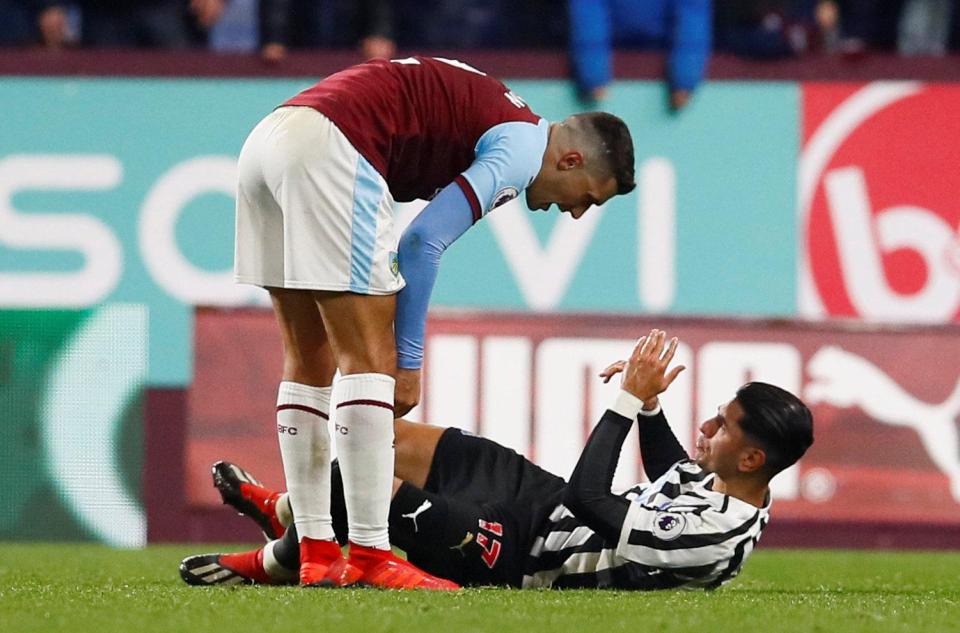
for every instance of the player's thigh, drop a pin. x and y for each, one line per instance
(307, 354)
(360, 328)
(416, 445)
(472, 544)
(477, 469)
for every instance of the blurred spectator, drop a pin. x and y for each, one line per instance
(770, 29)
(682, 27)
(761, 29)
(868, 25)
(237, 30)
(924, 27)
(56, 27)
(779, 28)
(456, 24)
(200, 18)
(472, 24)
(911, 27)
(134, 24)
(32, 22)
(286, 24)
(131, 23)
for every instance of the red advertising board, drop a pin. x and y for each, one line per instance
(878, 183)
(885, 400)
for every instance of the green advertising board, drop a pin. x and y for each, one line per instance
(71, 448)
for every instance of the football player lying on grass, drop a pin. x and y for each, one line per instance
(469, 510)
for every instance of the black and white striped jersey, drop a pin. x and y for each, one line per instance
(678, 533)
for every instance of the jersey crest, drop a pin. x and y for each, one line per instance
(668, 526)
(504, 196)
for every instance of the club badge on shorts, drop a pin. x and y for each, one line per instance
(394, 263)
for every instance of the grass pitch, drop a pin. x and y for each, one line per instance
(82, 588)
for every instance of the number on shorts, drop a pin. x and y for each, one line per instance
(490, 546)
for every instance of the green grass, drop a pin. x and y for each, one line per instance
(77, 589)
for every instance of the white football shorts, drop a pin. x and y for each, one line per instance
(312, 213)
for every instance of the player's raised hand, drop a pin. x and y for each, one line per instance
(612, 370)
(645, 374)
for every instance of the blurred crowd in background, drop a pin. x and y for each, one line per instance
(687, 31)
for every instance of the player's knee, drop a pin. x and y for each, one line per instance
(404, 444)
(311, 365)
(415, 445)
(368, 359)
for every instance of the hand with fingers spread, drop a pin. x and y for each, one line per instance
(645, 374)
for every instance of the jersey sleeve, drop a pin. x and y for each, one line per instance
(680, 535)
(445, 219)
(659, 447)
(588, 494)
(508, 158)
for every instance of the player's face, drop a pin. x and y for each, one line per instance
(574, 191)
(722, 442)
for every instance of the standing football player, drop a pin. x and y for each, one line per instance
(318, 177)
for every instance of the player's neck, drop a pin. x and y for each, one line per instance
(747, 490)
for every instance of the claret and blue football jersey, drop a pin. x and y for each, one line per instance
(426, 122)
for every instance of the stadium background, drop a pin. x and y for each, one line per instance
(802, 232)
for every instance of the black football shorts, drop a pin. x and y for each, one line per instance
(477, 516)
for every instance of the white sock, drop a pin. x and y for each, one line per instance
(363, 426)
(302, 413)
(284, 511)
(273, 567)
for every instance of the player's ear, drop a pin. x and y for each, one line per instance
(570, 160)
(752, 459)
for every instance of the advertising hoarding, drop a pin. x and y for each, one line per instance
(885, 400)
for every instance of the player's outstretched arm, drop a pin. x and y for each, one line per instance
(440, 223)
(659, 447)
(589, 494)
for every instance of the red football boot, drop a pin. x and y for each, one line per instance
(226, 569)
(380, 568)
(241, 490)
(322, 565)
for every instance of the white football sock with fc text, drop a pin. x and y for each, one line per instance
(363, 428)
(302, 414)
